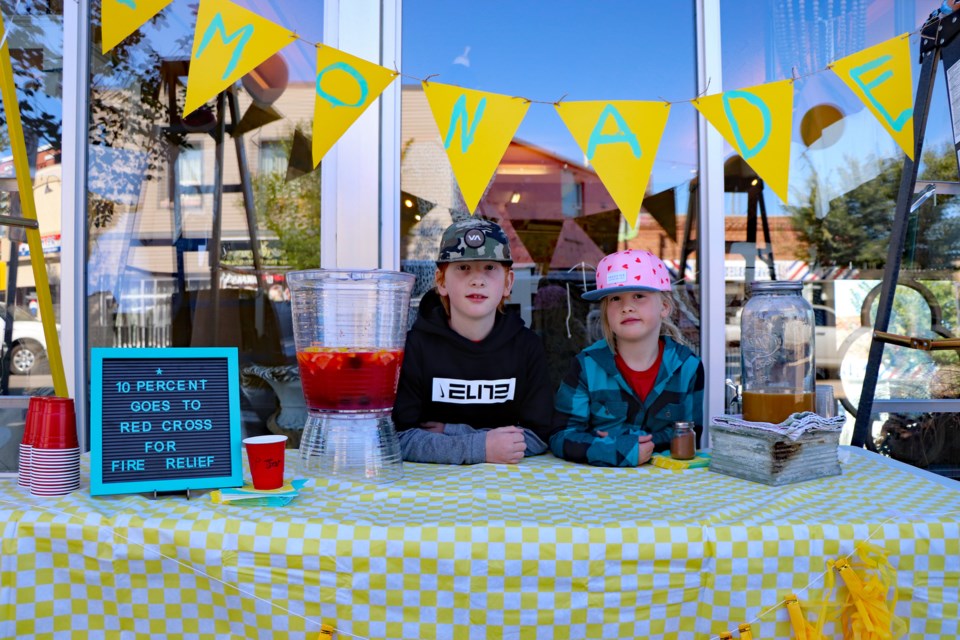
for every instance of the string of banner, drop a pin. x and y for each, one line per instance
(619, 138)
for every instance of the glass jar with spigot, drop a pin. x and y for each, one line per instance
(777, 352)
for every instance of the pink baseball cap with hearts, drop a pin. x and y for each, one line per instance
(630, 270)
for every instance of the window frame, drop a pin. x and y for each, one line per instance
(73, 234)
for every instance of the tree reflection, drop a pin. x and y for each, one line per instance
(856, 231)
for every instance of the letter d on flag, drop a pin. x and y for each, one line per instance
(228, 42)
(757, 122)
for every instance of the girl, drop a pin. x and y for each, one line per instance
(618, 402)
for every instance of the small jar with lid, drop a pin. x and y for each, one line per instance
(776, 352)
(683, 446)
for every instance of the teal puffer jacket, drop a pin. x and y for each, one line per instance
(594, 396)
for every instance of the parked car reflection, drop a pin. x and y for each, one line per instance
(28, 344)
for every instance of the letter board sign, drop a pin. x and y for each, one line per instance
(164, 420)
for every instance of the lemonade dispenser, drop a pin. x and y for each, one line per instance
(349, 328)
(777, 352)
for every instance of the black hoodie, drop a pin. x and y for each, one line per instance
(499, 381)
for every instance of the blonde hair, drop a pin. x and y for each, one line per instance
(667, 327)
(441, 275)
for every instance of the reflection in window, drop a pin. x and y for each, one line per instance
(556, 212)
(172, 259)
(190, 175)
(834, 234)
(34, 35)
(273, 157)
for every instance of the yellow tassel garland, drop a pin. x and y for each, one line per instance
(802, 629)
(864, 613)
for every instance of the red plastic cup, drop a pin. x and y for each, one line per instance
(34, 410)
(58, 425)
(266, 454)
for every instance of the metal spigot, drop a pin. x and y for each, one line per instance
(732, 399)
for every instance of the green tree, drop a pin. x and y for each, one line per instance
(857, 228)
(289, 209)
(857, 231)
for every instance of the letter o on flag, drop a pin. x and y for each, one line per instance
(335, 101)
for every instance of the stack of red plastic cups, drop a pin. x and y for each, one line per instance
(55, 456)
(34, 409)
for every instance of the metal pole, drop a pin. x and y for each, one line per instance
(214, 248)
(901, 221)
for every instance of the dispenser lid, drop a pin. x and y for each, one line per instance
(775, 285)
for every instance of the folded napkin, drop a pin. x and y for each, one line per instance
(249, 496)
(793, 427)
(664, 461)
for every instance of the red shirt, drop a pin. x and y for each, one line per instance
(641, 381)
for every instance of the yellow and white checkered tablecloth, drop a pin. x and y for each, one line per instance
(546, 549)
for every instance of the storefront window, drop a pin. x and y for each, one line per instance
(173, 261)
(34, 35)
(834, 231)
(559, 217)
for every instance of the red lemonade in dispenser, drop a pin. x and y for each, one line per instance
(350, 327)
(349, 379)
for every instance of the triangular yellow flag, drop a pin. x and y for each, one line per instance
(476, 128)
(882, 77)
(757, 122)
(228, 42)
(120, 18)
(345, 86)
(620, 139)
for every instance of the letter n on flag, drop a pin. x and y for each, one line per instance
(476, 128)
(757, 122)
(882, 77)
(344, 87)
(120, 18)
(620, 140)
(228, 42)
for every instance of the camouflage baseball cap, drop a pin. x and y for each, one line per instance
(474, 239)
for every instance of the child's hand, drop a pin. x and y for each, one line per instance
(435, 427)
(646, 449)
(505, 445)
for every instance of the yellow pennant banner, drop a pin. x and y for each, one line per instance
(476, 128)
(882, 77)
(120, 18)
(228, 42)
(757, 122)
(620, 139)
(345, 87)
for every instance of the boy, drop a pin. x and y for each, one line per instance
(473, 386)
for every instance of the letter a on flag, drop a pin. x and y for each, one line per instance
(476, 128)
(122, 17)
(882, 77)
(228, 42)
(757, 122)
(620, 139)
(344, 87)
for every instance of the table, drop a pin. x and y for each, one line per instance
(546, 549)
